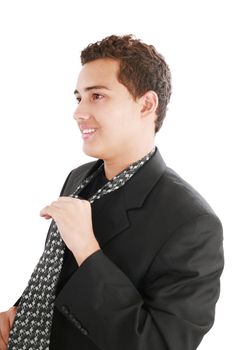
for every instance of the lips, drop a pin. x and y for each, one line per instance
(83, 127)
(88, 135)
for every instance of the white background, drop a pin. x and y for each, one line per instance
(40, 142)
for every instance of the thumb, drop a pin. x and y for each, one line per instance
(12, 313)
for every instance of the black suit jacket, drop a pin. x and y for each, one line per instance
(156, 280)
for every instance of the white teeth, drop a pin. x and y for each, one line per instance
(86, 131)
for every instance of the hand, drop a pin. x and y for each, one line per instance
(6, 322)
(74, 221)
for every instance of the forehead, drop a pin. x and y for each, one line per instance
(98, 72)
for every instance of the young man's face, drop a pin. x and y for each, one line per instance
(111, 110)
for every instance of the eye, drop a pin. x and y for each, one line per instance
(97, 96)
(94, 97)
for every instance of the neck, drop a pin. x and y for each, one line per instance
(113, 167)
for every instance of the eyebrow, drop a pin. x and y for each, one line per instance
(92, 88)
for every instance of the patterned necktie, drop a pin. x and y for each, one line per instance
(33, 320)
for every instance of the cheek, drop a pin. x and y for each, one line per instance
(114, 119)
(116, 124)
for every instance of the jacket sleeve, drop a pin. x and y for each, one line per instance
(176, 306)
(61, 193)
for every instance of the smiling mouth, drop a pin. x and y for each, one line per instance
(88, 135)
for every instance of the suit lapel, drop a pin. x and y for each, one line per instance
(109, 213)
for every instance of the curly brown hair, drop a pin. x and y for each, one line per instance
(141, 68)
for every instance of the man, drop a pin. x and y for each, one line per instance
(142, 264)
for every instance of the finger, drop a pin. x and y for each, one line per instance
(3, 345)
(4, 335)
(47, 217)
(12, 314)
(44, 214)
(69, 199)
(51, 211)
(65, 199)
(46, 211)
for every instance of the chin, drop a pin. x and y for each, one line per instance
(91, 152)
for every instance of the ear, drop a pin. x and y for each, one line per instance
(149, 103)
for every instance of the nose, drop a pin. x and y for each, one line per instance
(80, 115)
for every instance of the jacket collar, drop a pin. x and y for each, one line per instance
(109, 212)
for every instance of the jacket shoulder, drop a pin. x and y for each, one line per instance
(181, 197)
